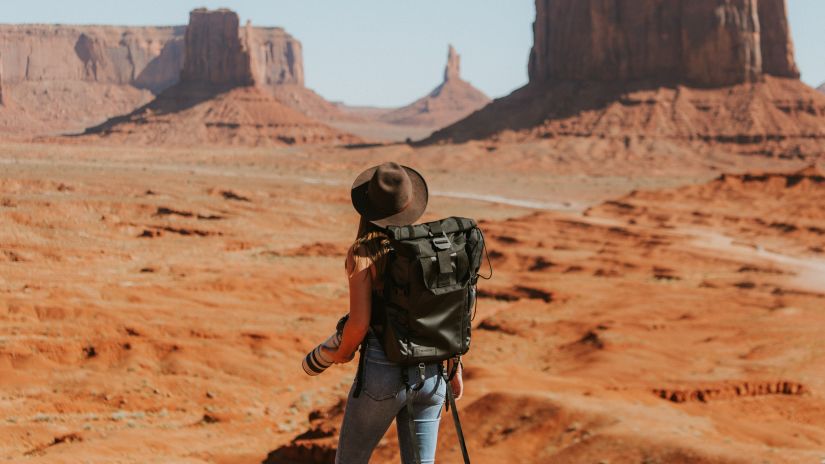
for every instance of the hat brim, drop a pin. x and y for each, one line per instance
(410, 214)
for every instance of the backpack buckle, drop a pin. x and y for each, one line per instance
(442, 242)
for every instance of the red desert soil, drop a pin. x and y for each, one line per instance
(155, 305)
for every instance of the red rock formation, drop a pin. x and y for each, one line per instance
(215, 54)
(243, 116)
(704, 70)
(453, 70)
(704, 43)
(277, 56)
(217, 101)
(777, 46)
(102, 54)
(72, 77)
(454, 99)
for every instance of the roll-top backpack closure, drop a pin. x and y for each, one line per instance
(449, 225)
(444, 243)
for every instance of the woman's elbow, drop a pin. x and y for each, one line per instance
(358, 327)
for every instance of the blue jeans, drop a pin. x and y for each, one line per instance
(383, 398)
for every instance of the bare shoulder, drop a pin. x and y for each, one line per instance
(358, 260)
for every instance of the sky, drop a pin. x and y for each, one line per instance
(388, 52)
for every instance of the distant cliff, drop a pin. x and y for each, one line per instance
(699, 42)
(144, 57)
(68, 78)
(223, 97)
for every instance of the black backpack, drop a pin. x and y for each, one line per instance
(425, 311)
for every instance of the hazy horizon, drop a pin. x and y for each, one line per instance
(387, 53)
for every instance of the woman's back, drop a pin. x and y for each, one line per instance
(383, 390)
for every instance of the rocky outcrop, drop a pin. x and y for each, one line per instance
(699, 74)
(454, 99)
(821, 88)
(144, 57)
(453, 70)
(220, 99)
(243, 116)
(102, 54)
(215, 53)
(277, 58)
(73, 77)
(706, 72)
(707, 43)
(776, 44)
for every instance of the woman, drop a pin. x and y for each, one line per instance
(384, 195)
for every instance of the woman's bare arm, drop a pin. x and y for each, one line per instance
(359, 270)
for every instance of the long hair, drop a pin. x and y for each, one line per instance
(370, 244)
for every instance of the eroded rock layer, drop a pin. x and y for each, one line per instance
(244, 116)
(706, 71)
(776, 45)
(215, 53)
(220, 99)
(705, 43)
(71, 77)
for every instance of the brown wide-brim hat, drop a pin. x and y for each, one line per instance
(390, 195)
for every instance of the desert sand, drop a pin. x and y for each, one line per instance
(156, 304)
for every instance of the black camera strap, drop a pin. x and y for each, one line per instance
(451, 406)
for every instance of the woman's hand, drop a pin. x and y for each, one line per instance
(457, 384)
(338, 356)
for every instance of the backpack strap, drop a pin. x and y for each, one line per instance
(456, 420)
(441, 243)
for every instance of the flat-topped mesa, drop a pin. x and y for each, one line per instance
(453, 69)
(215, 53)
(277, 57)
(222, 97)
(707, 43)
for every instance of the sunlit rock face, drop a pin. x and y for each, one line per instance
(707, 43)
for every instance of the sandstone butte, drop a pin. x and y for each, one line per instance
(451, 101)
(221, 96)
(635, 69)
(72, 77)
